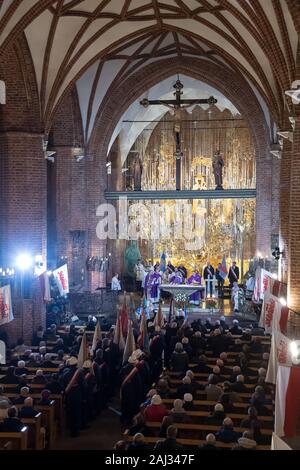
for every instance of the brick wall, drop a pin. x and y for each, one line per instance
(285, 174)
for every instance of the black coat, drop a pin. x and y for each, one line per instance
(206, 275)
(232, 277)
(170, 444)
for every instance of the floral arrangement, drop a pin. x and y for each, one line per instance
(181, 297)
(211, 303)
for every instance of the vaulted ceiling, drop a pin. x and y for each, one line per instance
(92, 43)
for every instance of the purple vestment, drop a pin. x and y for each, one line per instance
(176, 279)
(197, 279)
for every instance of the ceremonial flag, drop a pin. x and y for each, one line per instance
(159, 318)
(2, 353)
(171, 311)
(62, 279)
(163, 262)
(280, 354)
(118, 336)
(287, 401)
(222, 268)
(6, 311)
(124, 318)
(274, 315)
(130, 343)
(97, 336)
(278, 444)
(45, 286)
(143, 340)
(83, 351)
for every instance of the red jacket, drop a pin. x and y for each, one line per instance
(155, 412)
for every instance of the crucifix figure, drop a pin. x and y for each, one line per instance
(178, 103)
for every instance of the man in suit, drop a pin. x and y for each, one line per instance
(234, 274)
(208, 275)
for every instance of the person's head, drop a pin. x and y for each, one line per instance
(211, 439)
(12, 412)
(185, 341)
(39, 373)
(21, 364)
(236, 370)
(120, 445)
(172, 432)
(151, 393)
(240, 379)
(216, 370)
(265, 356)
(262, 372)
(72, 362)
(45, 395)
(220, 363)
(167, 421)
(235, 322)
(227, 423)
(223, 356)
(186, 380)
(219, 408)
(163, 384)
(43, 350)
(217, 332)
(24, 392)
(178, 347)
(156, 400)
(259, 390)
(188, 398)
(3, 409)
(28, 402)
(190, 374)
(139, 419)
(178, 404)
(233, 263)
(116, 275)
(138, 437)
(212, 379)
(252, 412)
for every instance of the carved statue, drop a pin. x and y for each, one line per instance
(218, 164)
(137, 167)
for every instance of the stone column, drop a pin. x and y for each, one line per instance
(285, 175)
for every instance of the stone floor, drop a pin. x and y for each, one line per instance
(102, 434)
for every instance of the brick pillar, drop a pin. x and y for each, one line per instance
(294, 225)
(23, 214)
(96, 183)
(23, 195)
(285, 175)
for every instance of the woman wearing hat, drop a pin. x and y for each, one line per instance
(156, 410)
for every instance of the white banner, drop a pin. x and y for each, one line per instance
(62, 279)
(280, 354)
(6, 311)
(265, 277)
(267, 312)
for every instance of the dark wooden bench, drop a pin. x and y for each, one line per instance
(18, 439)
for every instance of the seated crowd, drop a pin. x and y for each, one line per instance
(198, 365)
(160, 387)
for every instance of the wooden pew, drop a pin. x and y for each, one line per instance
(209, 405)
(18, 439)
(48, 422)
(191, 442)
(34, 425)
(7, 446)
(202, 429)
(176, 382)
(244, 396)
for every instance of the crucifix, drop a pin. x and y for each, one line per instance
(175, 104)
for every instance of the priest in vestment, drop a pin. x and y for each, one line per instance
(176, 277)
(195, 278)
(153, 282)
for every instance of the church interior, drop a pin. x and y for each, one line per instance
(149, 225)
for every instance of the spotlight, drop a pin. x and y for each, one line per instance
(49, 155)
(24, 261)
(295, 352)
(274, 276)
(49, 273)
(283, 301)
(294, 93)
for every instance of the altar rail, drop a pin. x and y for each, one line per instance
(184, 194)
